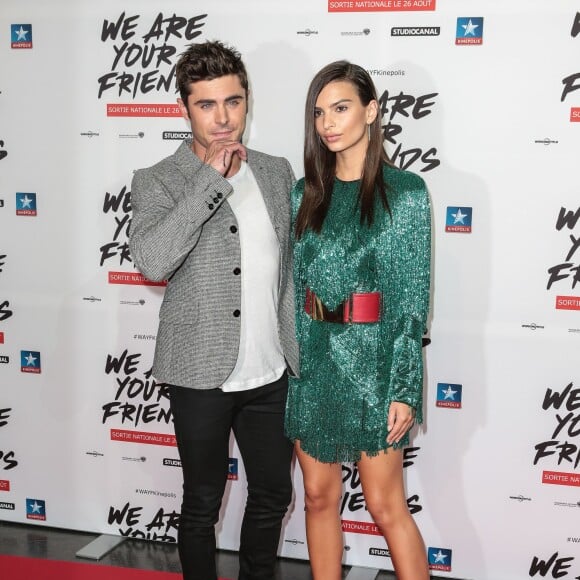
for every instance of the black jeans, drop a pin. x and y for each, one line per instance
(203, 421)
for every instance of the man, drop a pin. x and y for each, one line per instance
(213, 220)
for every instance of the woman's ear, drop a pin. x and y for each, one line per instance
(372, 111)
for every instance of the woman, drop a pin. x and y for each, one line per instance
(362, 268)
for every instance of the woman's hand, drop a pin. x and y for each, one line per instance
(400, 420)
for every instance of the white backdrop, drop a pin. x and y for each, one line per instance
(479, 96)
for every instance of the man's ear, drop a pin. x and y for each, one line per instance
(183, 109)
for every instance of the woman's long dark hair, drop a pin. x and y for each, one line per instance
(320, 163)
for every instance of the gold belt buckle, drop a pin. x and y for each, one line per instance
(316, 307)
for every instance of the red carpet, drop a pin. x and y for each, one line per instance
(19, 568)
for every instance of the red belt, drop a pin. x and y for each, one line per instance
(359, 307)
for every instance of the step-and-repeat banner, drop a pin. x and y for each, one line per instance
(481, 98)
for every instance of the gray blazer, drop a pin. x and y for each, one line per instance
(184, 231)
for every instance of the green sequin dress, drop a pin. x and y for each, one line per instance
(350, 373)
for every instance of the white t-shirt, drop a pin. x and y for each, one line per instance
(260, 358)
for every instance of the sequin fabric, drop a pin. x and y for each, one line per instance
(350, 373)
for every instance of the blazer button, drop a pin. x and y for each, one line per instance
(220, 194)
(237, 313)
(215, 199)
(233, 229)
(210, 206)
(237, 271)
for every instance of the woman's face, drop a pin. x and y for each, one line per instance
(341, 120)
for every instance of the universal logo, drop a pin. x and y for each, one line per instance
(7, 506)
(138, 459)
(545, 141)
(176, 135)
(91, 299)
(94, 454)
(171, 462)
(416, 31)
(307, 32)
(4, 359)
(520, 498)
(363, 32)
(140, 302)
(533, 326)
(139, 135)
(90, 134)
(567, 504)
(294, 542)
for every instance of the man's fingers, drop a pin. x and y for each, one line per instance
(219, 154)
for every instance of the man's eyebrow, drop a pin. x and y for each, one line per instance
(214, 101)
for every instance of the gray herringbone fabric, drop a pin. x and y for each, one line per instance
(184, 231)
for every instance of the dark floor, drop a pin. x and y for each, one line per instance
(56, 544)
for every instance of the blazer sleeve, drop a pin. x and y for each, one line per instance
(299, 278)
(169, 211)
(411, 281)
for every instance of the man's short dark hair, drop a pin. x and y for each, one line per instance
(207, 61)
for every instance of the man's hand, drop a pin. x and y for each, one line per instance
(221, 154)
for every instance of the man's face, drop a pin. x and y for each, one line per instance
(216, 111)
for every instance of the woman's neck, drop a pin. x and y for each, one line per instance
(349, 169)
(350, 163)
